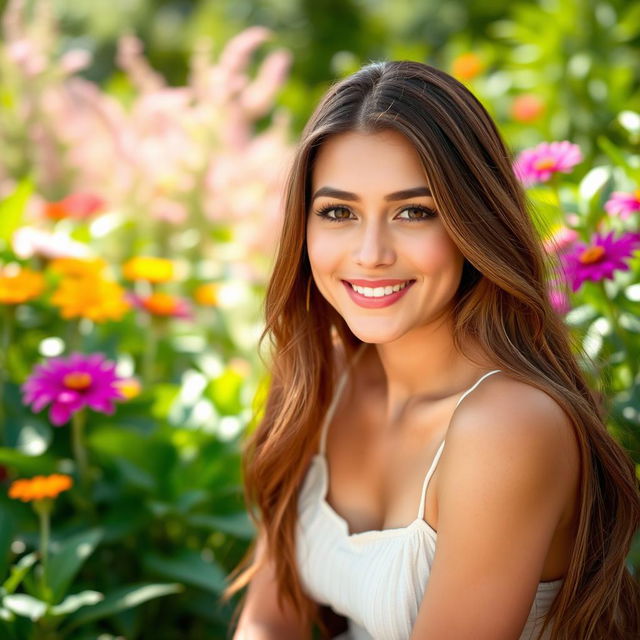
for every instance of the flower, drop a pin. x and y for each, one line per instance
(77, 206)
(148, 268)
(207, 294)
(29, 241)
(559, 300)
(541, 162)
(162, 304)
(72, 383)
(40, 487)
(623, 204)
(129, 388)
(20, 285)
(92, 297)
(599, 259)
(75, 267)
(526, 108)
(560, 239)
(467, 66)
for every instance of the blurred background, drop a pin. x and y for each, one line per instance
(143, 148)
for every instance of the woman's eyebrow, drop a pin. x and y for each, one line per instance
(396, 195)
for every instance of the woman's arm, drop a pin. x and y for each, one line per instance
(261, 617)
(503, 482)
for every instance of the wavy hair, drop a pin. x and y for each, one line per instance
(502, 303)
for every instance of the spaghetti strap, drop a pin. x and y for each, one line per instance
(336, 398)
(436, 458)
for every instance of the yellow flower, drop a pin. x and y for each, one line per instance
(207, 294)
(40, 487)
(148, 268)
(91, 297)
(129, 387)
(467, 66)
(78, 267)
(20, 286)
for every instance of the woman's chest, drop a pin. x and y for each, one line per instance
(376, 468)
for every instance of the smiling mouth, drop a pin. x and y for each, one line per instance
(379, 292)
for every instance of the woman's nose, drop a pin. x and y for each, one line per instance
(374, 247)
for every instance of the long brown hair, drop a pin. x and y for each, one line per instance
(502, 303)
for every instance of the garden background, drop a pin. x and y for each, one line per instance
(143, 144)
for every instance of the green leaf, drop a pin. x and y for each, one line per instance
(188, 567)
(12, 209)
(119, 600)
(19, 571)
(65, 562)
(236, 524)
(74, 601)
(7, 528)
(24, 605)
(225, 392)
(27, 465)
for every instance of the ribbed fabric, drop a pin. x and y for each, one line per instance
(375, 578)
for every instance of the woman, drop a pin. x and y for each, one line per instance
(409, 278)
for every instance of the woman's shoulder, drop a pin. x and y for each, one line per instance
(513, 424)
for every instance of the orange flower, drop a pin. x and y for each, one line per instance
(39, 487)
(148, 268)
(76, 267)
(467, 66)
(207, 294)
(164, 304)
(91, 297)
(128, 387)
(526, 108)
(20, 286)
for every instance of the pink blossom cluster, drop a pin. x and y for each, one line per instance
(187, 156)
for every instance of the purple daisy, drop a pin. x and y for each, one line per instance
(599, 259)
(72, 383)
(623, 204)
(541, 162)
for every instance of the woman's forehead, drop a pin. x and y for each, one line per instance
(383, 160)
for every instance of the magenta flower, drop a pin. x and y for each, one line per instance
(599, 259)
(541, 162)
(623, 204)
(72, 383)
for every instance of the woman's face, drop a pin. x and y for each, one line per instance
(372, 224)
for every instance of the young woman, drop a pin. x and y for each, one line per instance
(430, 462)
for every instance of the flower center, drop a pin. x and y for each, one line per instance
(77, 380)
(548, 162)
(591, 255)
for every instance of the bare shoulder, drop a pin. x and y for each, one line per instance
(517, 427)
(502, 407)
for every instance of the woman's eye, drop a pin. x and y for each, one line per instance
(335, 213)
(417, 213)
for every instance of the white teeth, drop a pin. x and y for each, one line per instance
(378, 292)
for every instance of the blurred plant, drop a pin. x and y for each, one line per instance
(149, 215)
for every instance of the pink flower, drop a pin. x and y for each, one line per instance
(599, 259)
(560, 240)
(72, 383)
(78, 206)
(538, 164)
(623, 204)
(559, 300)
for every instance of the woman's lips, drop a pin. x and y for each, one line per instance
(378, 302)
